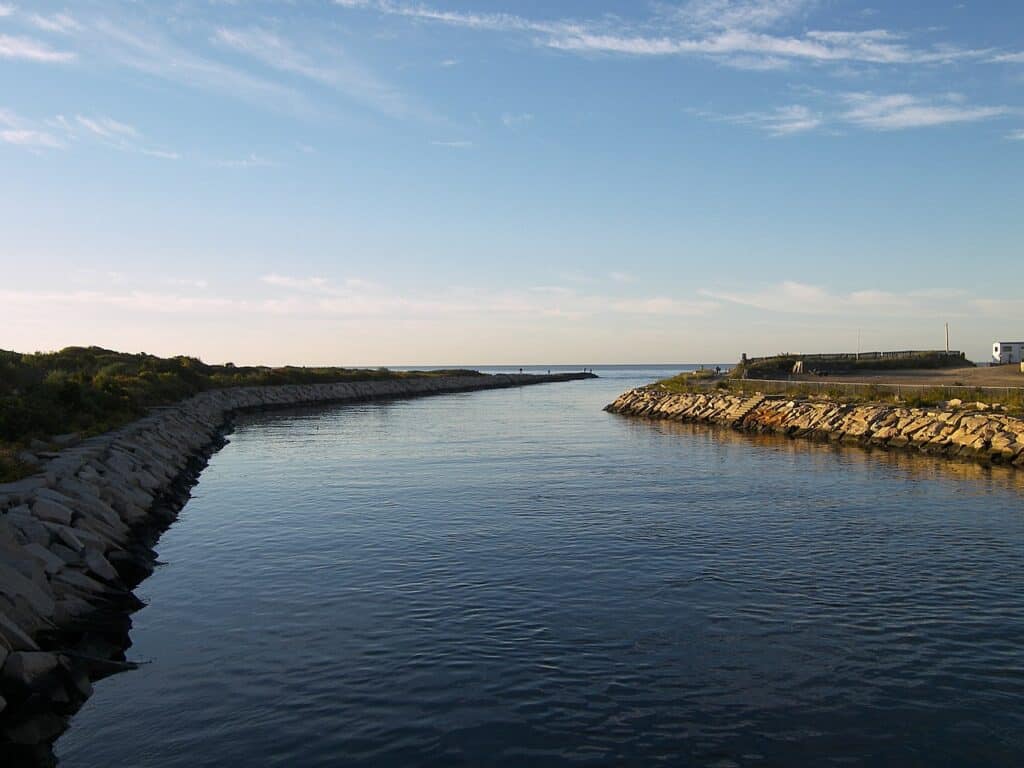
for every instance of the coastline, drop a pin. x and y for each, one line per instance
(972, 433)
(76, 538)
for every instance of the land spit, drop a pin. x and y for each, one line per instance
(77, 538)
(975, 432)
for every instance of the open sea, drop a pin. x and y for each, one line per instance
(516, 578)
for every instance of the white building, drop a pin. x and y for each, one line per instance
(1004, 352)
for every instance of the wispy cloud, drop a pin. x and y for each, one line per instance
(252, 161)
(1009, 58)
(333, 71)
(29, 49)
(59, 132)
(793, 297)
(899, 111)
(1017, 135)
(516, 120)
(6, 10)
(458, 144)
(58, 22)
(866, 110)
(781, 121)
(15, 130)
(299, 283)
(152, 51)
(30, 139)
(106, 127)
(734, 32)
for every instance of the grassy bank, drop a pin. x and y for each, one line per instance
(921, 397)
(89, 390)
(781, 365)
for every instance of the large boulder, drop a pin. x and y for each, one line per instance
(51, 511)
(28, 669)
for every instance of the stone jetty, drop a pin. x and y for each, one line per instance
(77, 538)
(970, 431)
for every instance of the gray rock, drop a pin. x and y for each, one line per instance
(99, 565)
(66, 554)
(51, 562)
(28, 668)
(42, 728)
(66, 535)
(13, 584)
(51, 511)
(14, 637)
(27, 457)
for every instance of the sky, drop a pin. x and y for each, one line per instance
(374, 182)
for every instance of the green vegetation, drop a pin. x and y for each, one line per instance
(781, 365)
(91, 390)
(918, 397)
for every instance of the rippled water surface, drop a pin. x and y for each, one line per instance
(517, 578)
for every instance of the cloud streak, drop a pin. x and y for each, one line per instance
(29, 49)
(868, 111)
(733, 33)
(276, 52)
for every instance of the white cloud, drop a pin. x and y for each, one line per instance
(32, 139)
(252, 161)
(516, 120)
(6, 10)
(27, 49)
(900, 110)
(300, 283)
(871, 111)
(462, 144)
(151, 51)
(1009, 58)
(663, 306)
(1017, 135)
(58, 22)
(730, 31)
(106, 127)
(333, 72)
(748, 14)
(781, 121)
(793, 297)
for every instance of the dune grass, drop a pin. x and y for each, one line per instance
(90, 390)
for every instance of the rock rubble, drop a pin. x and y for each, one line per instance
(973, 432)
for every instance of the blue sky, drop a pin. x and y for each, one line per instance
(448, 181)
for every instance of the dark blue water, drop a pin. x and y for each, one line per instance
(516, 578)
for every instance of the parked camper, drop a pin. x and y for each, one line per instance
(1007, 352)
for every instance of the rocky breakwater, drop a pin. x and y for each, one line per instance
(976, 432)
(76, 538)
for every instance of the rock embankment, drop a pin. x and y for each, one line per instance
(76, 538)
(974, 432)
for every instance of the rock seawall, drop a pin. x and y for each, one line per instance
(975, 432)
(76, 538)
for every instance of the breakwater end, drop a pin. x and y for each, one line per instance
(974, 431)
(76, 538)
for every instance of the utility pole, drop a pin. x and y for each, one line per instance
(947, 338)
(858, 344)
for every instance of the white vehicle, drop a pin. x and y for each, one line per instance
(1006, 352)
